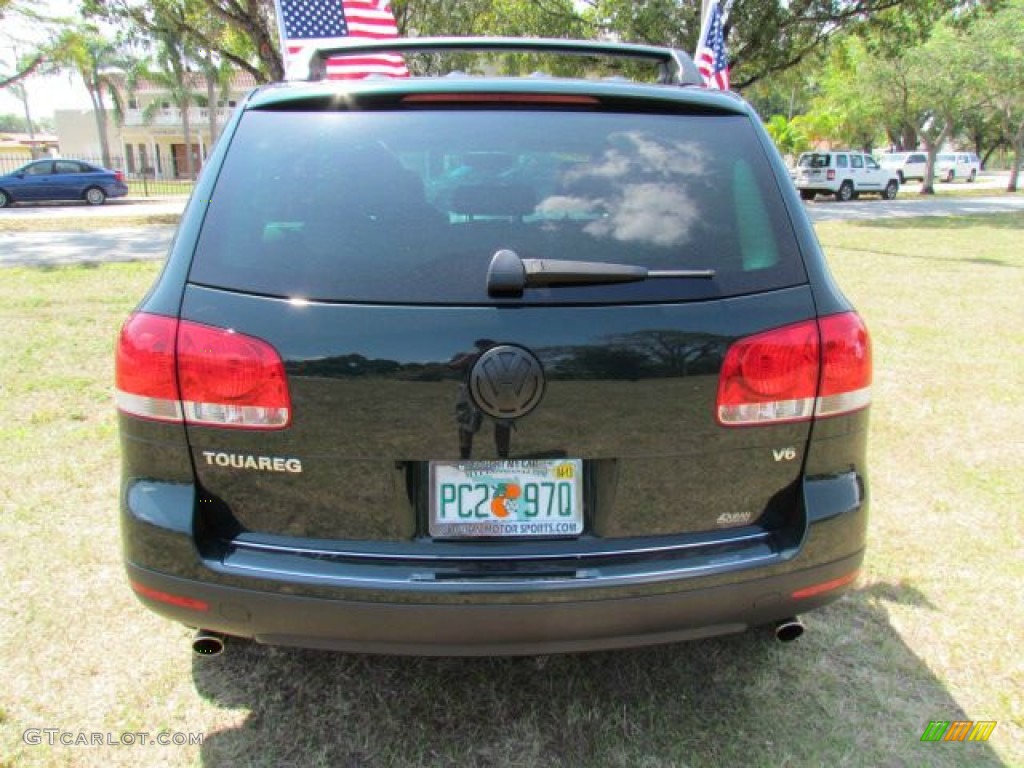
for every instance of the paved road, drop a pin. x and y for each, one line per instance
(86, 246)
(143, 243)
(824, 209)
(45, 249)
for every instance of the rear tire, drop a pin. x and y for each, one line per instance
(973, 177)
(949, 177)
(889, 193)
(95, 196)
(5, 199)
(845, 192)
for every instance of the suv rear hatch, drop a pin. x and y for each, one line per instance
(344, 263)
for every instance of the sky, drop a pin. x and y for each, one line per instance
(45, 94)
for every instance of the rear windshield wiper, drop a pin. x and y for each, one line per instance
(509, 275)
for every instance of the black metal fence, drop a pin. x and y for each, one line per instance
(145, 182)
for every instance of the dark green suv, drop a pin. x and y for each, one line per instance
(493, 365)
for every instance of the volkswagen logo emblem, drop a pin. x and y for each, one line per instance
(506, 382)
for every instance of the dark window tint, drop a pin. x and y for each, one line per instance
(842, 161)
(814, 160)
(68, 166)
(857, 160)
(39, 169)
(411, 206)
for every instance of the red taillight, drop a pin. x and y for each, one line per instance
(173, 370)
(180, 601)
(145, 378)
(846, 365)
(796, 372)
(119, 175)
(771, 377)
(830, 174)
(229, 379)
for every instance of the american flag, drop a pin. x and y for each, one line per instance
(309, 24)
(712, 59)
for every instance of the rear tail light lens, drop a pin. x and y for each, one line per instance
(771, 377)
(796, 372)
(119, 175)
(846, 365)
(145, 380)
(231, 380)
(830, 174)
(172, 370)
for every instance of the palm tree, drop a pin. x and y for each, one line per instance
(218, 76)
(173, 75)
(99, 62)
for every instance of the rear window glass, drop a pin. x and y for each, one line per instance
(815, 161)
(410, 206)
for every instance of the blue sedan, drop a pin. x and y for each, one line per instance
(61, 180)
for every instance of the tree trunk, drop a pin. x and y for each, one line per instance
(1018, 158)
(186, 129)
(932, 143)
(211, 96)
(100, 113)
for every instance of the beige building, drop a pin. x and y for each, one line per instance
(151, 137)
(79, 138)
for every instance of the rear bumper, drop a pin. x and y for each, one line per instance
(816, 185)
(317, 601)
(511, 628)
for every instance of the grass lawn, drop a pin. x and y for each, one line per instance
(934, 632)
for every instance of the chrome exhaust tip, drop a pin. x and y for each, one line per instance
(788, 630)
(207, 643)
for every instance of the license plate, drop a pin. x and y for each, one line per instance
(517, 499)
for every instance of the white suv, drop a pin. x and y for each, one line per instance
(907, 165)
(957, 165)
(844, 174)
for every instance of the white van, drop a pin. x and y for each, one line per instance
(950, 166)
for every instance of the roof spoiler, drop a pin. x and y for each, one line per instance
(674, 66)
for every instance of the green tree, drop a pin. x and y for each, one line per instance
(180, 52)
(994, 44)
(788, 135)
(100, 62)
(845, 110)
(30, 58)
(173, 76)
(924, 90)
(765, 37)
(242, 33)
